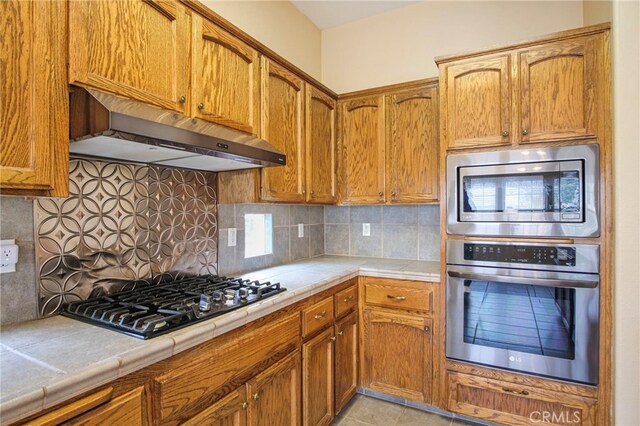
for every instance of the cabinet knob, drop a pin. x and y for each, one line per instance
(340, 333)
(333, 338)
(393, 194)
(313, 192)
(182, 99)
(348, 299)
(381, 194)
(200, 105)
(256, 396)
(244, 405)
(426, 328)
(505, 133)
(525, 132)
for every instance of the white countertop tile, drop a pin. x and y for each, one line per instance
(45, 362)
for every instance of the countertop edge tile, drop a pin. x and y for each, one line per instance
(107, 370)
(22, 406)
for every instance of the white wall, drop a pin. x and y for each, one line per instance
(400, 45)
(626, 142)
(279, 26)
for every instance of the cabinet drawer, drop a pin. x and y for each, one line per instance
(411, 295)
(317, 316)
(513, 404)
(346, 300)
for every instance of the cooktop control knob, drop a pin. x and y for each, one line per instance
(244, 293)
(205, 303)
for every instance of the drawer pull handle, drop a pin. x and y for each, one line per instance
(244, 405)
(348, 299)
(398, 298)
(524, 392)
(256, 396)
(320, 315)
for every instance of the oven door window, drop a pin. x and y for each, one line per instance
(524, 318)
(548, 192)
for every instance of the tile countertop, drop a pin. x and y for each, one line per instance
(48, 361)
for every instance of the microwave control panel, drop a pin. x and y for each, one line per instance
(536, 255)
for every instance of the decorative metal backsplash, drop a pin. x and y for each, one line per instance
(123, 222)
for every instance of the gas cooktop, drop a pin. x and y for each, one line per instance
(153, 310)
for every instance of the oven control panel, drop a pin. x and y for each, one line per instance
(536, 255)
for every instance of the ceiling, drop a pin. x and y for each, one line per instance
(331, 13)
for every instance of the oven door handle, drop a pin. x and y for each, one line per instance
(544, 282)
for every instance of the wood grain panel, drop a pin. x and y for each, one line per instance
(177, 389)
(241, 186)
(557, 82)
(346, 360)
(412, 146)
(34, 144)
(126, 410)
(397, 354)
(283, 127)
(478, 103)
(346, 300)
(274, 395)
(317, 379)
(512, 404)
(320, 146)
(229, 411)
(225, 78)
(148, 61)
(362, 151)
(409, 295)
(317, 316)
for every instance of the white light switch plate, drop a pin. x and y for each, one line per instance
(231, 237)
(300, 230)
(366, 229)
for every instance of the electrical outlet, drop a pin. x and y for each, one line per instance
(300, 230)
(8, 256)
(366, 229)
(231, 237)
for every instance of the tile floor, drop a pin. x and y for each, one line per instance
(368, 411)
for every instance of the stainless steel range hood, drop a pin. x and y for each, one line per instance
(107, 126)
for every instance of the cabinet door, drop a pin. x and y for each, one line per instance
(412, 146)
(397, 354)
(226, 78)
(34, 100)
(558, 84)
(229, 411)
(515, 404)
(346, 360)
(274, 395)
(478, 97)
(317, 379)
(362, 150)
(321, 142)
(283, 127)
(126, 410)
(138, 49)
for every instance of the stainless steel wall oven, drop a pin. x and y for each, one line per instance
(551, 192)
(528, 307)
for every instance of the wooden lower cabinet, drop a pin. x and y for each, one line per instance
(514, 404)
(345, 360)
(229, 411)
(317, 380)
(274, 394)
(125, 410)
(397, 354)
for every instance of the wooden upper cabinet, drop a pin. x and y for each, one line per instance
(274, 394)
(225, 78)
(558, 85)
(412, 146)
(362, 150)
(321, 146)
(283, 127)
(138, 49)
(34, 101)
(478, 103)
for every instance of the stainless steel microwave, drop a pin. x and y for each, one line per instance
(537, 192)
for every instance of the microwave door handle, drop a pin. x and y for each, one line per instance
(544, 282)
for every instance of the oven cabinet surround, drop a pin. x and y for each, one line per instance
(388, 144)
(329, 355)
(550, 90)
(252, 375)
(396, 357)
(34, 134)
